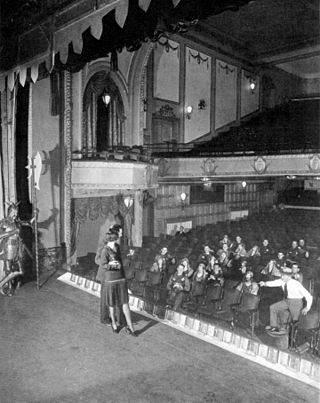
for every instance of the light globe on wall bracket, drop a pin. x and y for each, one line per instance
(183, 199)
(252, 85)
(128, 201)
(106, 98)
(189, 110)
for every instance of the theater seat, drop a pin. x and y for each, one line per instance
(249, 305)
(309, 326)
(231, 298)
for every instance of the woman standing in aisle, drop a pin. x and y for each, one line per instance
(113, 282)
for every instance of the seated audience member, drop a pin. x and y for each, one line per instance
(239, 254)
(224, 259)
(234, 245)
(254, 256)
(199, 282)
(271, 270)
(178, 285)
(280, 259)
(302, 249)
(168, 261)
(224, 249)
(237, 274)
(209, 267)
(293, 252)
(296, 274)
(215, 278)
(129, 258)
(294, 295)
(247, 285)
(188, 270)
(157, 265)
(205, 257)
(243, 267)
(266, 252)
(225, 241)
(181, 231)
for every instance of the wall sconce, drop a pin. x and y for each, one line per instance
(183, 198)
(128, 201)
(106, 98)
(189, 110)
(202, 104)
(252, 85)
(244, 184)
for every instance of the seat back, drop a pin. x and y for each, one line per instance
(231, 296)
(249, 302)
(141, 276)
(214, 293)
(230, 284)
(129, 273)
(154, 278)
(309, 321)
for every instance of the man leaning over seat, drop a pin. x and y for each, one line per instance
(294, 294)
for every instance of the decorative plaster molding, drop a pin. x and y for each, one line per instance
(260, 165)
(209, 166)
(167, 45)
(314, 163)
(164, 167)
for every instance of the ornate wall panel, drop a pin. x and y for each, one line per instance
(197, 94)
(226, 94)
(166, 71)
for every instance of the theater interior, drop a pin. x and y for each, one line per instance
(183, 121)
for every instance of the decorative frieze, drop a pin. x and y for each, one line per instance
(239, 166)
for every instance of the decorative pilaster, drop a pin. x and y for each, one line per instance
(68, 162)
(138, 215)
(3, 142)
(8, 110)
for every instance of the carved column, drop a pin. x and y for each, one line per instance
(67, 160)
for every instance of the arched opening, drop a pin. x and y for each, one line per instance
(103, 122)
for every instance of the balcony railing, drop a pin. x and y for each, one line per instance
(206, 149)
(118, 153)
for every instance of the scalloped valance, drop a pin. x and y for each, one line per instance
(73, 37)
(70, 35)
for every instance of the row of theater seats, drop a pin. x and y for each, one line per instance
(224, 304)
(292, 126)
(280, 227)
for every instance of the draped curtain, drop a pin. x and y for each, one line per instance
(91, 208)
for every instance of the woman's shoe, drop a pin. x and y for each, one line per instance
(131, 332)
(115, 330)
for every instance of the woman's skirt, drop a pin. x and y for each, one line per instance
(116, 292)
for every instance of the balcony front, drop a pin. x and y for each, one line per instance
(97, 177)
